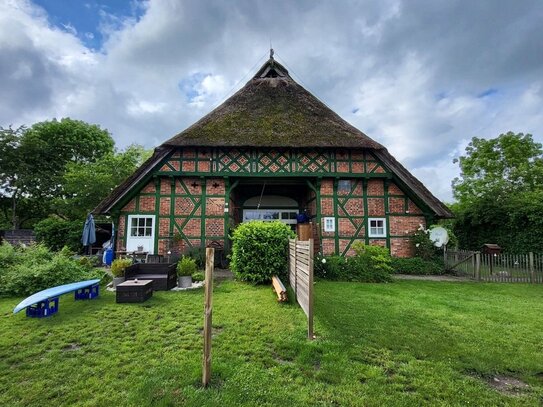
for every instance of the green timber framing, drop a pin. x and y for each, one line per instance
(227, 164)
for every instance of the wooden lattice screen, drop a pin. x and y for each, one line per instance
(301, 277)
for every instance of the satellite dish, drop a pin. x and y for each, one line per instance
(439, 236)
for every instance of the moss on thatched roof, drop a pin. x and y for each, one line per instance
(272, 110)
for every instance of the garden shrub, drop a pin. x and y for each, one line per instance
(417, 266)
(56, 233)
(198, 254)
(425, 248)
(370, 264)
(331, 267)
(260, 250)
(8, 256)
(36, 268)
(90, 261)
(119, 265)
(186, 266)
(198, 276)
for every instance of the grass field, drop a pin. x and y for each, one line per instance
(406, 343)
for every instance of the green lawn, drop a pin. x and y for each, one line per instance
(405, 343)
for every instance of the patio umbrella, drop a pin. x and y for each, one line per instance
(112, 239)
(89, 232)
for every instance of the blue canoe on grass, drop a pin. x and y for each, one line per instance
(52, 293)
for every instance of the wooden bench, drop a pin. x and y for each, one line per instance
(164, 275)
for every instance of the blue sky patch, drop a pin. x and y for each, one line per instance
(188, 86)
(488, 92)
(442, 95)
(84, 18)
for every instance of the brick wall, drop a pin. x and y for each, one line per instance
(191, 206)
(180, 211)
(384, 199)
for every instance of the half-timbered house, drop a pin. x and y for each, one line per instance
(270, 152)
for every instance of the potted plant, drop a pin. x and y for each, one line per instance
(117, 269)
(186, 267)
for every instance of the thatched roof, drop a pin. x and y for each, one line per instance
(272, 110)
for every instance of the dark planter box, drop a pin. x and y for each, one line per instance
(132, 291)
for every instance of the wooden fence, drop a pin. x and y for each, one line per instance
(506, 268)
(301, 277)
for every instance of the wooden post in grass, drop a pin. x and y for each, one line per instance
(478, 266)
(531, 265)
(208, 311)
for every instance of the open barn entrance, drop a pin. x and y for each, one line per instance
(272, 200)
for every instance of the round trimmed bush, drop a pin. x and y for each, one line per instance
(260, 250)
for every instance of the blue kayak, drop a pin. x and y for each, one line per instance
(53, 292)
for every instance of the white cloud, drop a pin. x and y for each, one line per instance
(209, 90)
(412, 72)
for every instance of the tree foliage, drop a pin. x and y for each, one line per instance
(86, 184)
(62, 168)
(56, 233)
(34, 161)
(507, 164)
(500, 194)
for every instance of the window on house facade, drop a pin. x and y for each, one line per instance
(329, 224)
(141, 226)
(377, 227)
(344, 186)
(287, 216)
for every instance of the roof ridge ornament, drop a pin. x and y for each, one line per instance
(272, 68)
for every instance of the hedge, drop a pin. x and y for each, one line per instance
(260, 250)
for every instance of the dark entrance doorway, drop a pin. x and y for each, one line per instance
(270, 199)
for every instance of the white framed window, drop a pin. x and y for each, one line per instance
(329, 224)
(141, 226)
(377, 227)
(287, 216)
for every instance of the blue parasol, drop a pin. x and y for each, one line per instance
(89, 232)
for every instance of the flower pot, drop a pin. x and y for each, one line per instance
(117, 280)
(184, 281)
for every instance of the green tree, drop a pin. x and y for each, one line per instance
(34, 160)
(86, 184)
(500, 194)
(498, 167)
(12, 165)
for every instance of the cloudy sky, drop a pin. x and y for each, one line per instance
(421, 77)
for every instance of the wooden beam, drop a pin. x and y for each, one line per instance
(208, 312)
(280, 289)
